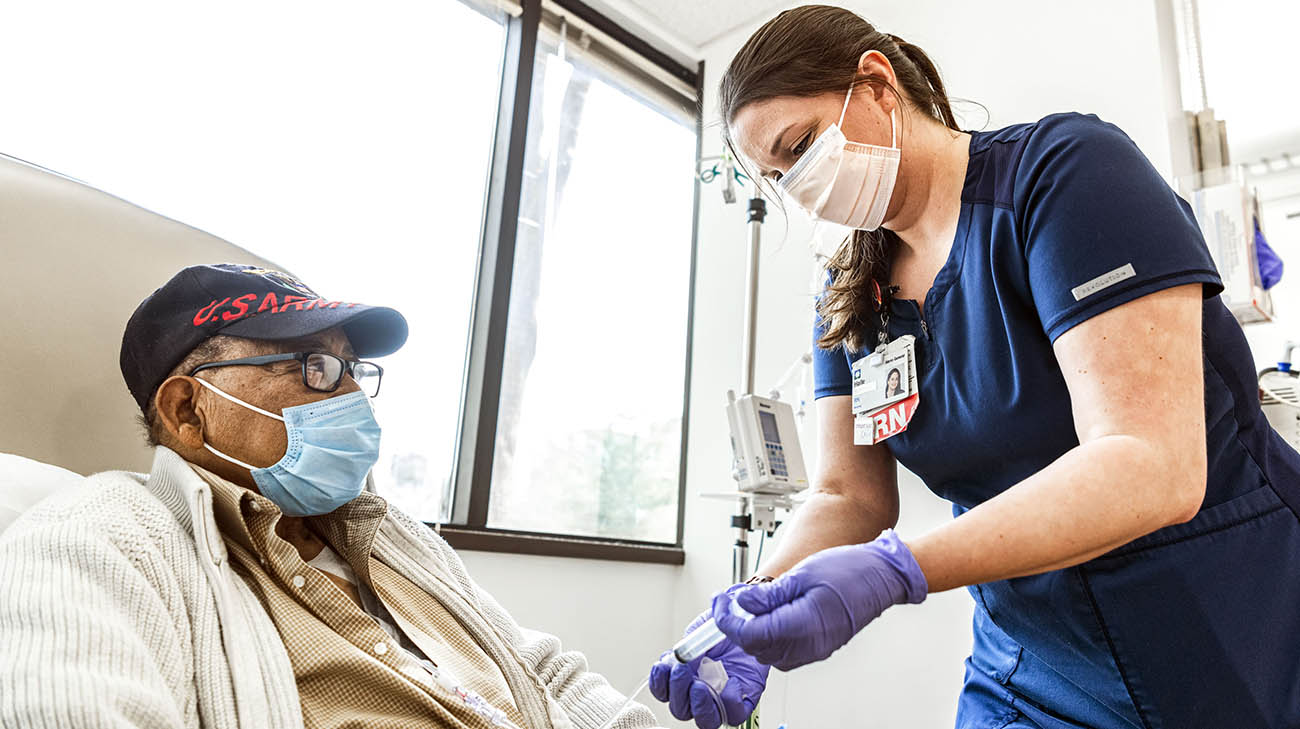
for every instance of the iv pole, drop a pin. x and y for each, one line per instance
(753, 510)
(749, 339)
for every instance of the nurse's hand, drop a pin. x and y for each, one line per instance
(809, 612)
(722, 687)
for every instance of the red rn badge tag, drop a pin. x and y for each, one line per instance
(870, 429)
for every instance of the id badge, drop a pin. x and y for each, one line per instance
(885, 393)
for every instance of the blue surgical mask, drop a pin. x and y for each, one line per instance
(333, 444)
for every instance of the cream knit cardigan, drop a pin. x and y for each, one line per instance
(119, 608)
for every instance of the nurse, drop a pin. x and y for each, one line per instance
(1125, 518)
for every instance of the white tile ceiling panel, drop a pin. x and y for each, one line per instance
(699, 21)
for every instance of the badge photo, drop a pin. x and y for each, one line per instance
(881, 379)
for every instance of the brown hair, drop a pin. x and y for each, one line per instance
(810, 50)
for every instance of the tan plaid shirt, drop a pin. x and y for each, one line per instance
(350, 673)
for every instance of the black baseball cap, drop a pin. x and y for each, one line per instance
(201, 302)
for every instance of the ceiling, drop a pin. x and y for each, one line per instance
(697, 22)
(1248, 47)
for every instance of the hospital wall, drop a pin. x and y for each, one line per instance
(1022, 59)
(1279, 196)
(74, 264)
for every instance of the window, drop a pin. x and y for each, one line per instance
(589, 429)
(516, 178)
(316, 136)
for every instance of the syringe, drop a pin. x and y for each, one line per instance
(702, 639)
(698, 642)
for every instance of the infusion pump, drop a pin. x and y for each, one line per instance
(765, 445)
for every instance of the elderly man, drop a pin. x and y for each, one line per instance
(247, 580)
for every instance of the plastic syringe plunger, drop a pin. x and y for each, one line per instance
(705, 637)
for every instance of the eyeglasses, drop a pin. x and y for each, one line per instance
(320, 371)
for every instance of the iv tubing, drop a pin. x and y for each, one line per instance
(630, 698)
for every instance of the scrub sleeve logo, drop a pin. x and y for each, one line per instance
(1106, 280)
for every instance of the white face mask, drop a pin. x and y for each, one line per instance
(843, 182)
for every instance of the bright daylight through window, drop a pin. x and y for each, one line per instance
(357, 148)
(348, 144)
(589, 437)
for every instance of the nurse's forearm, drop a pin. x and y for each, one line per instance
(827, 519)
(1096, 497)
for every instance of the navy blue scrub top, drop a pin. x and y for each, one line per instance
(1062, 220)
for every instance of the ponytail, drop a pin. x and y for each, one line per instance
(936, 102)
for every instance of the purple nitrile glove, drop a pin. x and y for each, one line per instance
(809, 612)
(1270, 265)
(721, 687)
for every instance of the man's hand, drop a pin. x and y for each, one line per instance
(721, 687)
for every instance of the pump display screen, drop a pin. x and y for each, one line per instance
(768, 421)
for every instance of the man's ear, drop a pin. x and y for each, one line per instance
(177, 406)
